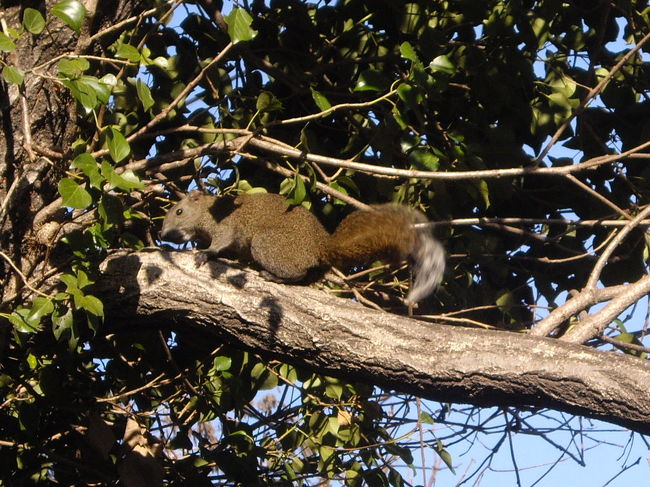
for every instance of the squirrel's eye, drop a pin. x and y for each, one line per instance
(179, 211)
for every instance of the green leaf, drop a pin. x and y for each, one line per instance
(130, 180)
(222, 363)
(28, 320)
(12, 74)
(321, 101)
(442, 64)
(89, 167)
(70, 282)
(372, 80)
(125, 181)
(484, 190)
(289, 373)
(239, 26)
(33, 21)
(410, 95)
(118, 147)
(267, 102)
(62, 323)
(425, 159)
(334, 391)
(444, 456)
(299, 191)
(407, 52)
(99, 237)
(72, 12)
(129, 52)
(32, 361)
(110, 210)
(73, 194)
(88, 91)
(91, 304)
(41, 306)
(505, 302)
(73, 68)
(6, 44)
(401, 451)
(394, 478)
(22, 323)
(144, 94)
(83, 280)
(262, 378)
(426, 418)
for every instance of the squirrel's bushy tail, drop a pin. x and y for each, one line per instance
(389, 232)
(428, 257)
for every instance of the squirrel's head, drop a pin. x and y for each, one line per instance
(184, 221)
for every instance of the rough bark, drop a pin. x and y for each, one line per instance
(38, 123)
(309, 328)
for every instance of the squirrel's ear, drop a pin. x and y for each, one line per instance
(194, 195)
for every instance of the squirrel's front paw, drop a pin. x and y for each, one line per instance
(200, 258)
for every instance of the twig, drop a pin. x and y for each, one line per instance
(124, 23)
(190, 86)
(620, 344)
(582, 300)
(334, 193)
(534, 221)
(597, 195)
(596, 323)
(271, 145)
(456, 321)
(335, 108)
(23, 277)
(27, 126)
(592, 93)
(616, 241)
(275, 146)
(146, 386)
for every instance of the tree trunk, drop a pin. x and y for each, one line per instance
(39, 124)
(309, 328)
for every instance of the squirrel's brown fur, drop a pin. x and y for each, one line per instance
(289, 242)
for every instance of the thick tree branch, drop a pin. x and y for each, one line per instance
(309, 328)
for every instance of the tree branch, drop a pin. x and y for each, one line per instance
(593, 325)
(581, 301)
(309, 328)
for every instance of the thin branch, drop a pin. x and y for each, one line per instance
(334, 193)
(275, 146)
(27, 126)
(582, 300)
(616, 241)
(23, 277)
(155, 381)
(597, 195)
(620, 344)
(272, 145)
(202, 150)
(181, 96)
(592, 93)
(125, 22)
(594, 325)
(324, 113)
(535, 221)
(47, 152)
(71, 55)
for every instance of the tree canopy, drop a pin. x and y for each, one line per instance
(520, 128)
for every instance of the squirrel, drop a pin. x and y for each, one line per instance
(289, 241)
